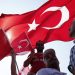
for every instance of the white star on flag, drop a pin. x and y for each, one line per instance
(19, 47)
(32, 26)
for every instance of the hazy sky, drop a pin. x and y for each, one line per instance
(21, 6)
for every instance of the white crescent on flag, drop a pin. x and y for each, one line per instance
(64, 18)
(24, 41)
(20, 46)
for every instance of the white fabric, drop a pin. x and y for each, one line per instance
(49, 71)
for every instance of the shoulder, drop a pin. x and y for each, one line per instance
(42, 72)
(49, 71)
(46, 71)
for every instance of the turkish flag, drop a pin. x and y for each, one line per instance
(5, 47)
(21, 44)
(54, 21)
(9, 20)
(48, 23)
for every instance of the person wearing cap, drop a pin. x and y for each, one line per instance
(35, 59)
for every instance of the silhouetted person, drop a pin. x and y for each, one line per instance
(36, 59)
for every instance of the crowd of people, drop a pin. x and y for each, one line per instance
(46, 63)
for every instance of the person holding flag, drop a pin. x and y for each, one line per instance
(35, 59)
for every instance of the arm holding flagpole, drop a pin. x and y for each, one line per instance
(30, 57)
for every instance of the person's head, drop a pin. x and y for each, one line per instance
(72, 29)
(39, 46)
(50, 59)
(48, 55)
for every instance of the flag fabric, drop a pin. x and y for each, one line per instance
(4, 45)
(48, 23)
(21, 44)
(54, 22)
(9, 20)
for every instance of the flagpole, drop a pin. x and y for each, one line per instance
(29, 41)
(12, 52)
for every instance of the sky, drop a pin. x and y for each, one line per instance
(62, 49)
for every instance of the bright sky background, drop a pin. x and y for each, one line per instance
(19, 7)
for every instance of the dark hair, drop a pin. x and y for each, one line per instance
(39, 42)
(53, 61)
(50, 51)
(40, 46)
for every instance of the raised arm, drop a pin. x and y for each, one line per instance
(29, 59)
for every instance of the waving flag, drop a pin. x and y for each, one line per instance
(48, 23)
(21, 44)
(4, 45)
(9, 20)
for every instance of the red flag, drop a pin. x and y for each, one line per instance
(4, 45)
(9, 20)
(21, 44)
(54, 21)
(50, 22)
